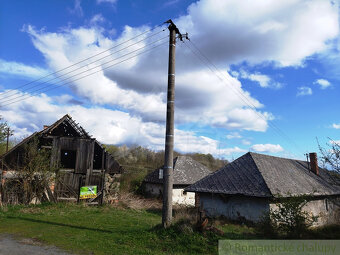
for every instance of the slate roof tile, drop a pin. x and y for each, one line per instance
(261, 175)
(186, 171)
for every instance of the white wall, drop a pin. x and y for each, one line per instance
(238, 207)
(181, 198)
(234, 207)
(178, 195)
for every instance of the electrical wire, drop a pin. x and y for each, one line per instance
(99, 66)
(64, 74)
(49, 89)
(209, 63)
(60, 70)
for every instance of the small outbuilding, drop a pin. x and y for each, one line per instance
(186, 171)
(251, 185)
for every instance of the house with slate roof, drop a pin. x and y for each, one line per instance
(251, 185)
(186, 171)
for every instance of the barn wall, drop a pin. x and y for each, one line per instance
(84, 149)
(234, 207)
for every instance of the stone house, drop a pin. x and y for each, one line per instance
(186, 171)
(251, 185)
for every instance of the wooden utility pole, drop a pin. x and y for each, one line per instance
(169, 136)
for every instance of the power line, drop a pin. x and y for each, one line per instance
(49, 89)
(69, 78)
(39, 79)
(209, 63)
(4, 96)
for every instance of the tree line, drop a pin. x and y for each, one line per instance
(139, 161)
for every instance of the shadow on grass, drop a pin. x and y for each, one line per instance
(155, 211)
(60, 224)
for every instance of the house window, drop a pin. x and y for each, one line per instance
(326, 204)
(68, 159)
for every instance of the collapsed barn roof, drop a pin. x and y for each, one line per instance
(65, 127)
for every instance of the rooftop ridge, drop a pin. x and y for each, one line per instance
(266, 155)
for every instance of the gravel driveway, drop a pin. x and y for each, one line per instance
(12, 246)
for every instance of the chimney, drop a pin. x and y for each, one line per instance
(314, 163)
(45, 126)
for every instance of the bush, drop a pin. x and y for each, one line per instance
(288, 219)
(31, 179)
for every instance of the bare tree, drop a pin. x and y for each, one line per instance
(331, 154)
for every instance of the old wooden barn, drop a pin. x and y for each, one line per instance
(80, 159)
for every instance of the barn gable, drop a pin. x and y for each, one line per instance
(71, 147)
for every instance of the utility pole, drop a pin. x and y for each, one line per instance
(169, 135)
(9, 133)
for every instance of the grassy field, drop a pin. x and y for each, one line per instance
(109, 230)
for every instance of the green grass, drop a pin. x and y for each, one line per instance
(109, 230)
(104, 230)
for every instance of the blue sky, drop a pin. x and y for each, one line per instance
(274, 91)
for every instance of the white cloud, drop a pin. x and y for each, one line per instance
(322, 83)
(271, 148)
(336, 142)
(234, 135)
(98, 18)
(285, 32)
(187, 142)
(246, 142)
(263, 80)
(107, 1)
(278, 31)
(106, 125)
(304, 91)
(20, 69)
(336, 126)
(145, 94)
(77, 9)
(170, 2)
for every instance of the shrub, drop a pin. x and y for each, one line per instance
(31, 179)
(288, 219)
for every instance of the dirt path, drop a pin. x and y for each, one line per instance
(9, 245)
